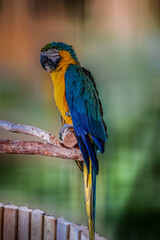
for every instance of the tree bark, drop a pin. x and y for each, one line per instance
(51, 147)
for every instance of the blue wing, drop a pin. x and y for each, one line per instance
(86, 111)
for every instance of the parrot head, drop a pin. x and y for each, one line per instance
(51, 55)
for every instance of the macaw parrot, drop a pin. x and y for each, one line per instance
(78, 101)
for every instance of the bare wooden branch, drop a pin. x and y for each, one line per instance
(29, 130)
(51, 147)
(39, 148)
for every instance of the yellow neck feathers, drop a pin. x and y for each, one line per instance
(59, 84)
(66, 59)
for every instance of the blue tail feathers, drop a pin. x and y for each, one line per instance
(88, 150)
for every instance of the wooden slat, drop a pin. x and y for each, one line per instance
(24, 223)
(37, 218)
(50, 227)
(85, 235)
(10, 222)
(1, 220)
(63, 229)
(75, 231)
(27, 224)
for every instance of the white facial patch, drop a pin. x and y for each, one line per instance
(53, 54)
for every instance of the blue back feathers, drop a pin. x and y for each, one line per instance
(87, 116)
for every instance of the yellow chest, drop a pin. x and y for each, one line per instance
(59, 94)
(58, 78)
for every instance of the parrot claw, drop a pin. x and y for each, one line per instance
(66, 126)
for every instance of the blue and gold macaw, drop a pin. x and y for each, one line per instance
(77, 98)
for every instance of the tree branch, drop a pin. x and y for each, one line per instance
(51, 147)
(39, 148)
(29, 130)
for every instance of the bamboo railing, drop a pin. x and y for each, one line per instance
(21, 223)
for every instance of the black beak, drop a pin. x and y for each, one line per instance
(44, 61)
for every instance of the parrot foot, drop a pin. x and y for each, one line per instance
(67, 135)
(64, 128)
